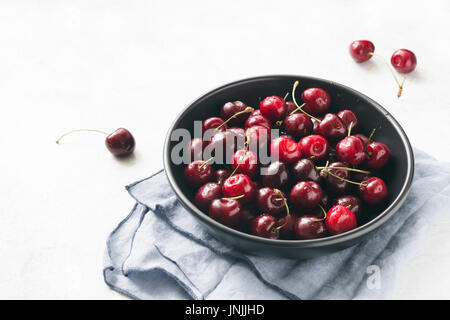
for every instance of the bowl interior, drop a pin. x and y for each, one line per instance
(251, 91)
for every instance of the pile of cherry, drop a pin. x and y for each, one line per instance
(320, 179)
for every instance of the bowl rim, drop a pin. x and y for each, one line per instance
(313, 243)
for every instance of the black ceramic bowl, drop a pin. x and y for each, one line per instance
(398, 174)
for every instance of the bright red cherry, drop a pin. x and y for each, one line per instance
(197, 173)
(246, 162)
(206, 194)
(257, 119)
(229, 109)
(351, 150)
(275, 175)
(317, 101)
(196, 147)
(271, 201)
(305, 195)
(361, 50)
(287, 226)
(285, 150)
(352, 203)
(298, 125)
(221, 175)
(309, 227)
(265, 226)
(379, 154)
(404, 60)
(332, 128)
(349, 117)
(273, 108)
(340, 219)
(373, 190)
(239, 185)
(226, 211)
(314, 147)
(305, 170)
(212, 123)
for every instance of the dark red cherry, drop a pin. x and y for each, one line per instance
(352, 203)
(271, 201)
(273, 108)
(257, 119)
(259, 138)
(206, 194)
(221, 175)
(359, 176)
(334, 184)
(314, 147)
(197, 173)
(275, 175)
(349, 117)
(378, 155)
(226, 211)
(287, 226)
(247, 216)
(120, 143)
(213, 123)
(317, 101)
(325, 201)
(290, 107)
(305, 195)
(265, 226)
(332, 128)
(404, 60)
(229, 109)
(304, 170)
(339, 220)
(315, 123)
(285, 150)
(246, 162)
(298, 125)
(351, 150)
(363, 138)
(310, 227)
(373, 190)
(196, 147)
(361, 50)
(238, 185)
(223, 146)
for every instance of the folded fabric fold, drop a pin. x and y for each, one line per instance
(160, 251)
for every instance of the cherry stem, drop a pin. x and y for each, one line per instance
(345, 168)
(371, 134)
(246, 144)
(204, 163)
(400, 85)
(288, 212)
(350, 129)
(235, 198)
(286, 95)
(324, 214)
(246, 110)
(343, 179)
(78, 130)
(300, 107)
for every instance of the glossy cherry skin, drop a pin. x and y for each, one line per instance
(226, 211)
(196, 147)
(237, 185)
(373, 191)
(314, 147)
(221, 175)
(287, 226)
(259, 137)
(378, 155)
(265, 226)
(361, 50)
(298, 125)
(206, 194)
(273, 108)
(317, 101)
(290, 107)
(363, 138)
(213, 123)
(270, 201)
(120, 143)
(285, 150)
(351, 150)
(353, 203)
(340, 219)
(197, 176)
(404, 60)
(305, 195)
(275, 175)
(257, 119)
(246, 162)
(332, 128)
(309, 227)
(349, 117)
(229, 109)
(304, 170)
(336, 185)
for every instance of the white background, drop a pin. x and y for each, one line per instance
(107, 64)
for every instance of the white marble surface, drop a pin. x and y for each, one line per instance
(136, 64)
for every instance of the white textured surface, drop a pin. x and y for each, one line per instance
(136, 64)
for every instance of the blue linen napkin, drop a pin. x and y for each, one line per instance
(159, 251)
